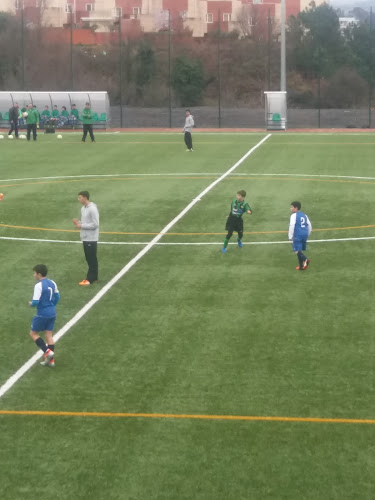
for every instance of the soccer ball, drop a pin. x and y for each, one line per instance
(25, 114)
(1, 137)
(59, 136)
(22, 136)
(10, 137)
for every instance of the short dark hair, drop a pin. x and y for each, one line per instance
(188, 110)
(242, 193)
(86, 194)
(41, 269)
(55, 105)
(296, 204)
(73, 105)
(64, 107)
(87, 103)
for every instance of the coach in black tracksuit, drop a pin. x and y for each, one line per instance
(13, 119)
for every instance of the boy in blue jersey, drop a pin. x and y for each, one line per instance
(45, 298)
(299, 231)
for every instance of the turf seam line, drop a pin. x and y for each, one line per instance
(26, 366)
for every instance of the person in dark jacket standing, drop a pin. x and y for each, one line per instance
(87, 120)
(13, 119)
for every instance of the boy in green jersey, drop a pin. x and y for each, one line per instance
(74, 115)
(234, 220)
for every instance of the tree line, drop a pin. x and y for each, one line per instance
(325, 66)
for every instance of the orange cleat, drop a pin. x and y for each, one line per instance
(306, 263)
(84, 283)
(300, 268)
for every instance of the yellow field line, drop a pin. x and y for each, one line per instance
(248, 418)
(321, 143)
(296, 179)
(177, 234)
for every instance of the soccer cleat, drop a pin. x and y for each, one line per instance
(224, 250)
(306, 263)
(48, 356)
(84, 283)
(188, 150)
(192, 150)
(239, 243)
(298, 268)
(51, 364)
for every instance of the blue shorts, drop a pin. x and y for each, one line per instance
(40, 324)
(299, 245)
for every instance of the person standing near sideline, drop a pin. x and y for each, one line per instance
(89, 226)
(189, 124)
(32, 121)
(87, 120)
(13, 119)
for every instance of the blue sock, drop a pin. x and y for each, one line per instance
(300, 259)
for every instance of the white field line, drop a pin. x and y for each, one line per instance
(186, 243)
(24, 368)
(88, 176)
(188, 174)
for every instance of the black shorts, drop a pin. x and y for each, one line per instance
(234, 224)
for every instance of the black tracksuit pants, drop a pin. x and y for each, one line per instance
(88, 129)
(31, 127)
(13, 126)
(90, 249)
(188, 140)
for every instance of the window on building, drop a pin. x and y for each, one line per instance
(136, 11)
(68, 8)
(209, 18)
(118, 12)
(40, 3)
(89, 7)
(183, 14)
(18, 4)
(227, 17)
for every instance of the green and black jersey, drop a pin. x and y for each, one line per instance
(238, 208)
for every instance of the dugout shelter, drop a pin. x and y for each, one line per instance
(99, 104)
(276, 110)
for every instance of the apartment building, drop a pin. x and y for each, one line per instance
(200, 16)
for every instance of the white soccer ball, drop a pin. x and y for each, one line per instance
(22, 136)
(10, 137)
(25, 114)
(59, 136)
(1, 137)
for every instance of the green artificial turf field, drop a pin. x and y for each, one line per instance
(189, 337)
